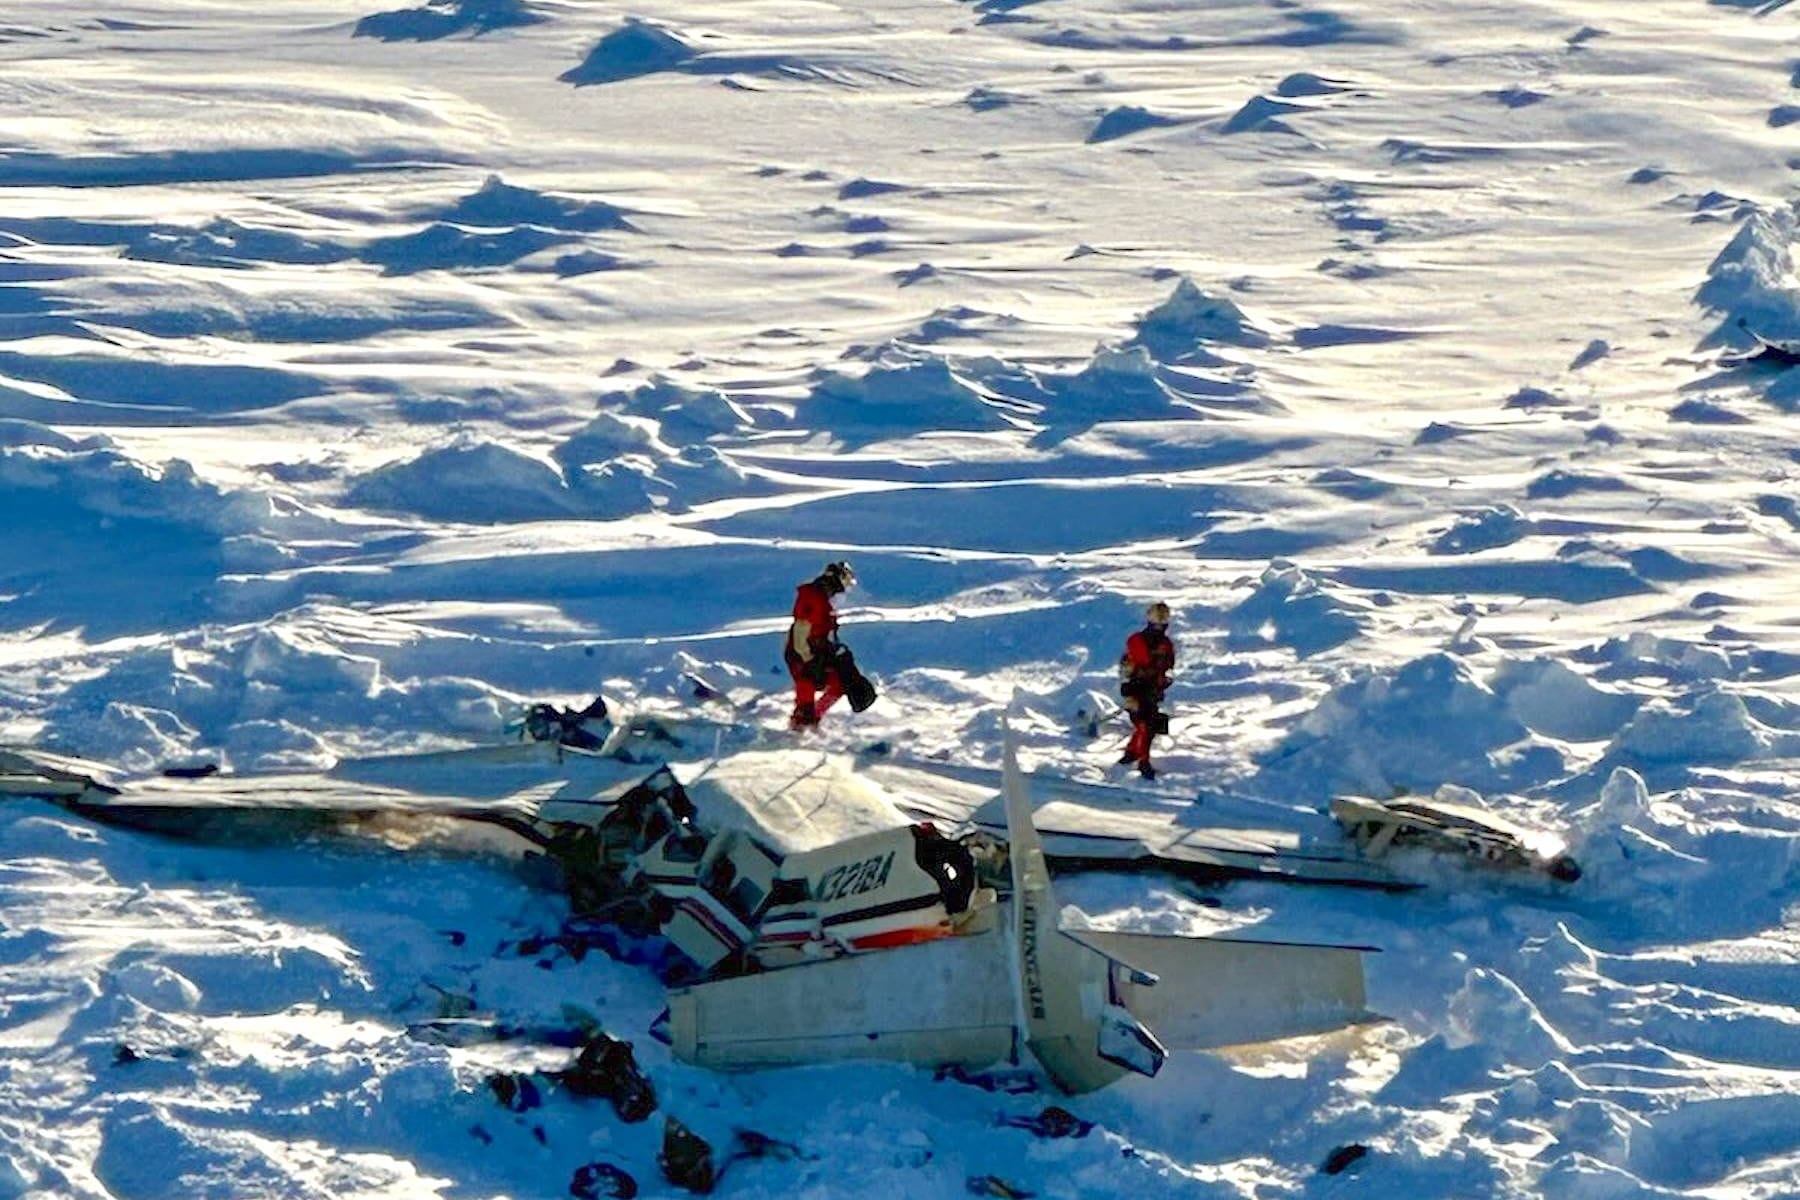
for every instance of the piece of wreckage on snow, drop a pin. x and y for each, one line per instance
(824, 923)
(1447, 823)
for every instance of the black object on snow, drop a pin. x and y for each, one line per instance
(606, 1067)
(747, 1143)
(516, 1093)
(857, 688)
(1054, 1122)
(1012, 1082)
(600, 1181)
(686, 1159)
(568, 727)
(1342, 1157)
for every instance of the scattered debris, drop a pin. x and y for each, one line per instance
(1342, 1157)
(1011, 1083)
(749, 1144)
(125, 1055)
(686, 1159)
(1054, 1122)
(602, 1181)
(584, 729)
(1457, 828)
(606, 1067)
(515, 1091)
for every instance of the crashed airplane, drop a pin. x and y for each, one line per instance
(1089, 1005)
(821, 911)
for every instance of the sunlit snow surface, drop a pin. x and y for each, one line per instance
(364, 371)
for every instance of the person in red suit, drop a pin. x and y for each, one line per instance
(812, 651)
(1143, 678)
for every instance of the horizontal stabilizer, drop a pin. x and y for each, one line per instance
(1223, 992)
(938, 1003)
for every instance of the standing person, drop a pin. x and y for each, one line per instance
(1143, 678)
(812, 651)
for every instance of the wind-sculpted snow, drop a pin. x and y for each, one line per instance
(497, 202)
(362, 380)
(129, 389)
(496, 225)
(23, 170)
(635, 48)
(79, 514)
(1260, 114)
(1290, 608)
(897, 393)
(441, 246)
(1551, 698)
(1126, 120)
(1751, 284)
(682, 414)
(467, 480)
(1430, 722)
(446, 18)
(1176, 330)
(640, 48)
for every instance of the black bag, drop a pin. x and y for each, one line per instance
(1159, 723)
(686, 1160)
(857, 688)
(606, 1067)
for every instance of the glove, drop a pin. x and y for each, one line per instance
(815, 669)
(1131, 704)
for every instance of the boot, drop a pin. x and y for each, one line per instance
(805, 717)
(1146, 770)
(1127, 758)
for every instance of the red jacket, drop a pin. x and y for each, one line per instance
(812, 604)
(1149, 657)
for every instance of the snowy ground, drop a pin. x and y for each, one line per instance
(363, 373)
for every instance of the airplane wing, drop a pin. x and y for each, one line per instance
(1088, 826)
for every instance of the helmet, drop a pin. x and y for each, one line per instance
(839, 573)
(1157, 614)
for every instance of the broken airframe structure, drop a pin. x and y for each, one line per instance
(831, 907)
(1452, 826)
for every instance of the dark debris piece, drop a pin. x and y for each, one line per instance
(516, 1093)
(686, 1159)
(1013, 1083)
(993, 1185)
(124, 1055)
(1054, 1122)
(1342, 1157)
(747, 1143)
(606, 1067)
(600, 1181)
